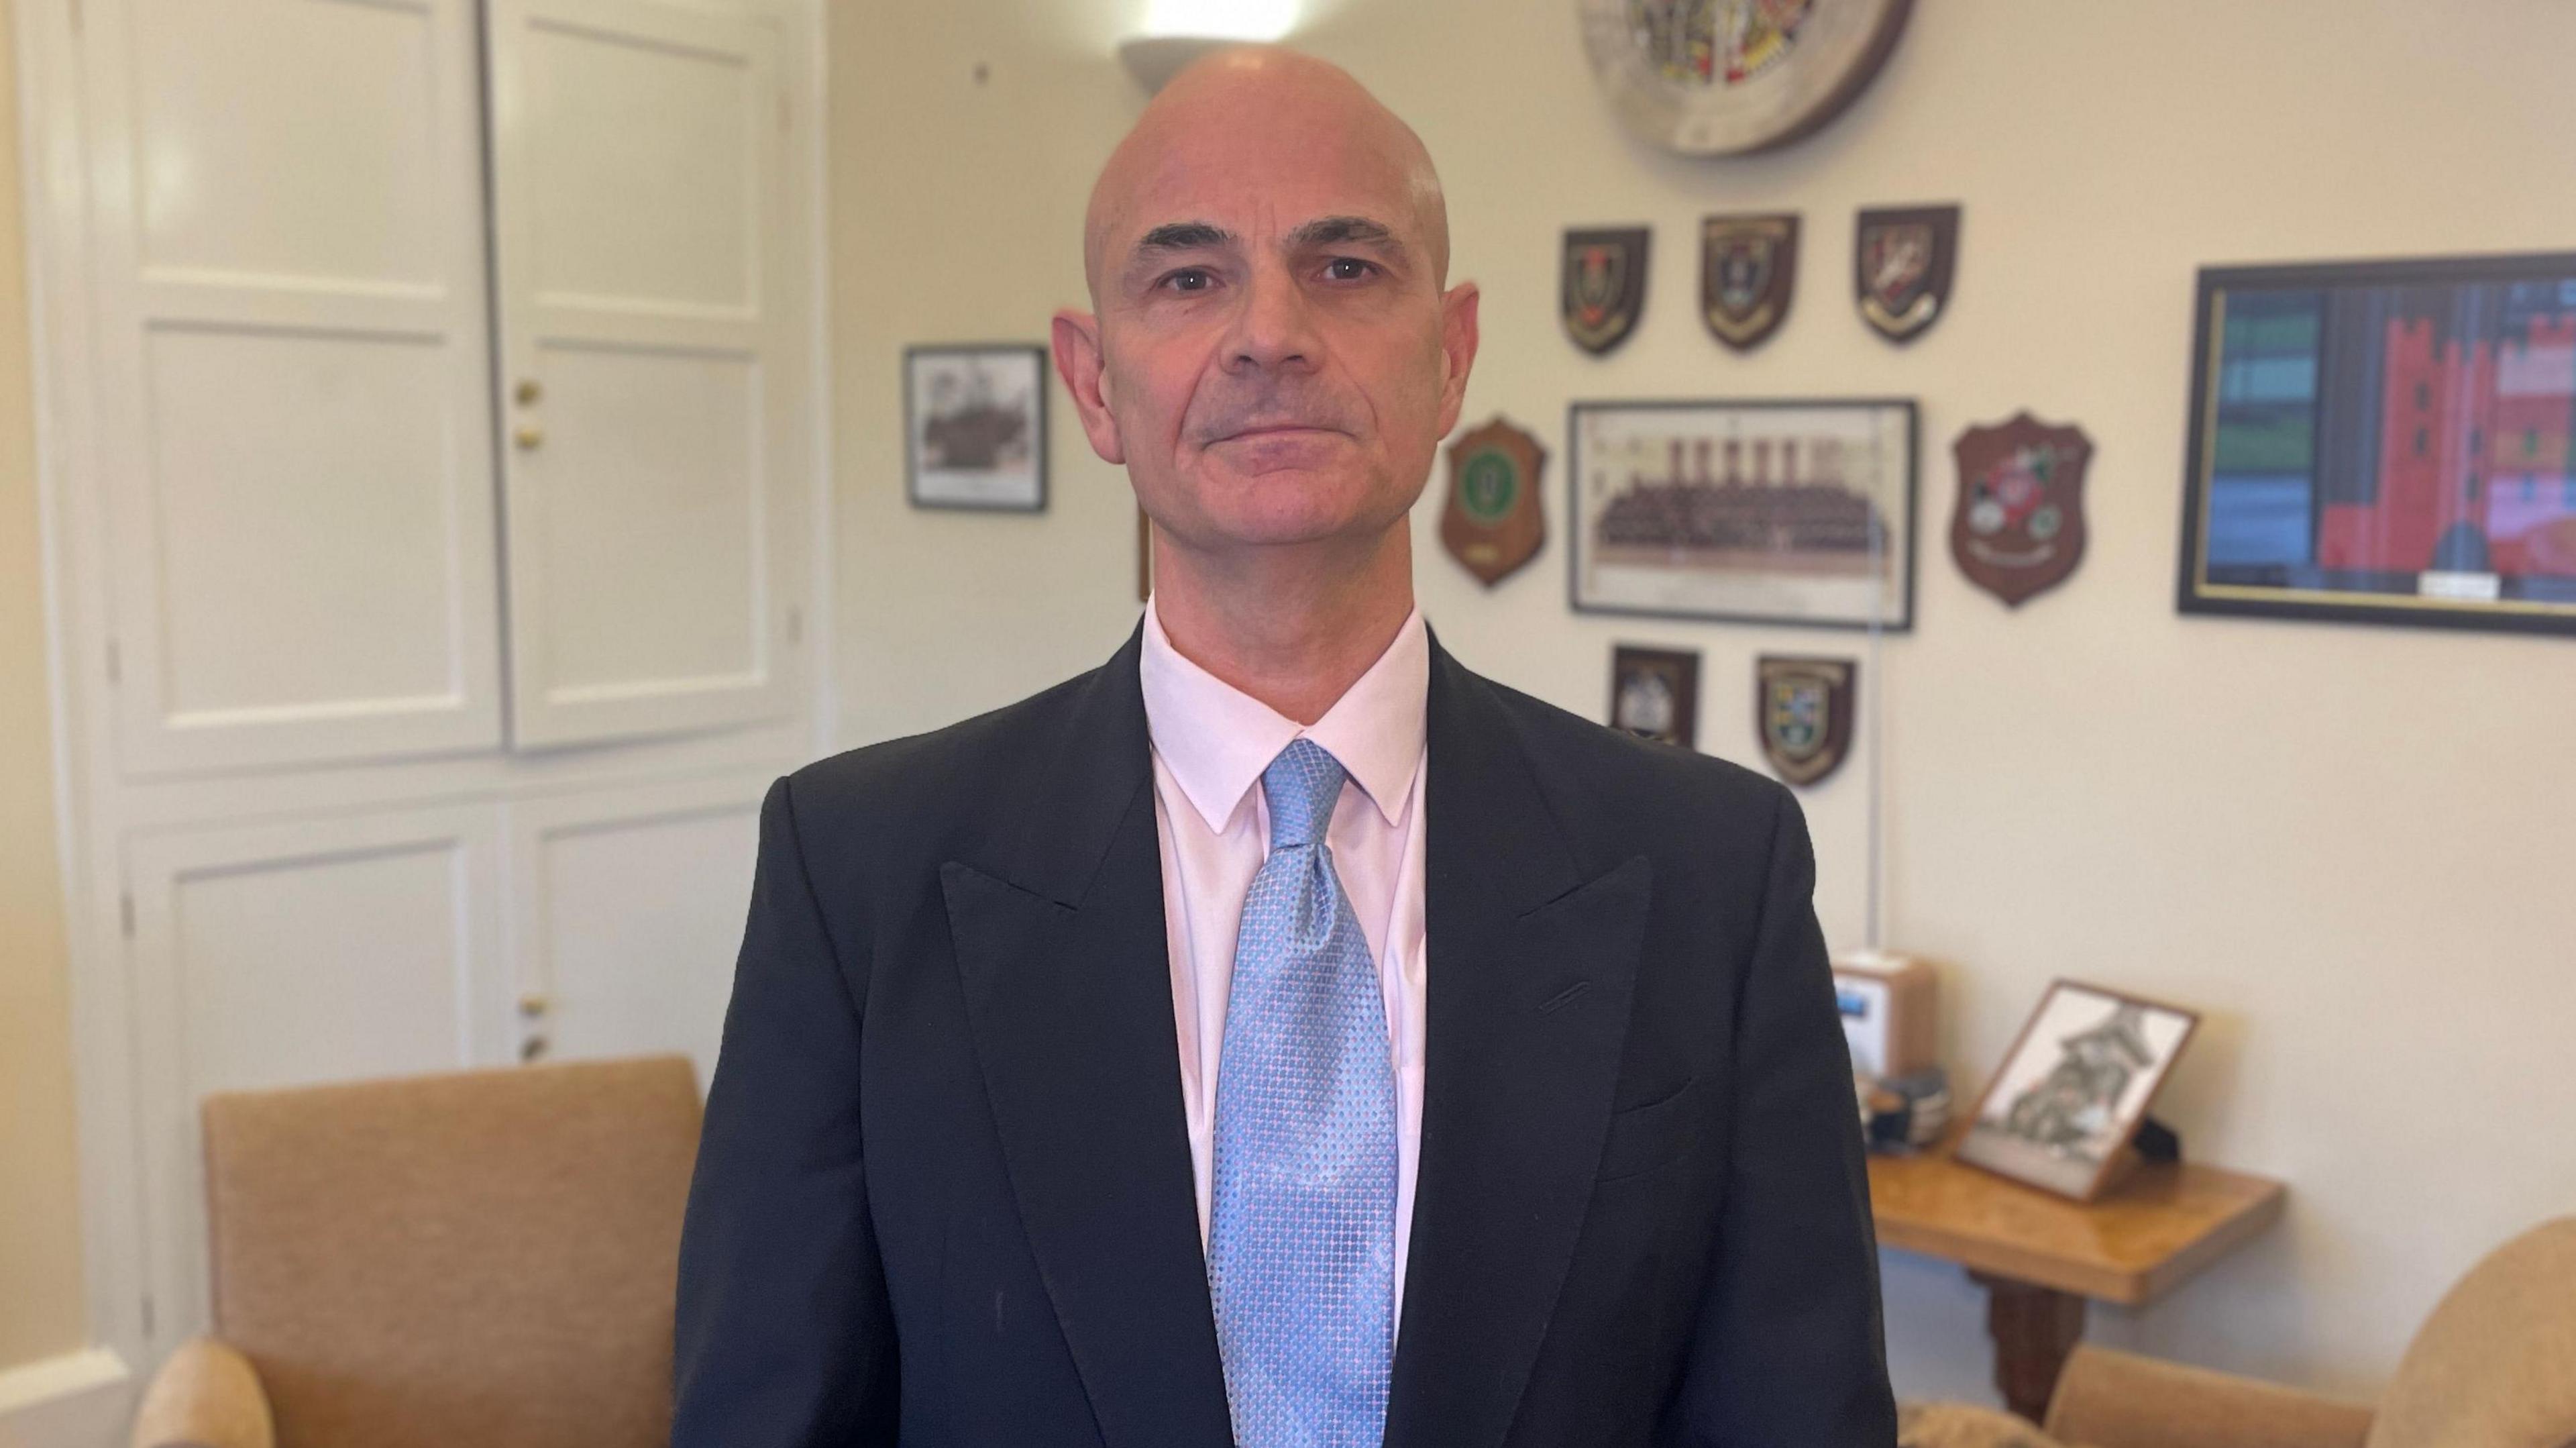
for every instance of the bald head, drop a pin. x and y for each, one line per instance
(1264, 119)
(1274, 350)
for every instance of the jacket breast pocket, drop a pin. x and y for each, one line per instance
(1643, 1138)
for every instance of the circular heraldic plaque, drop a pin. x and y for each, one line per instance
(1723, 77)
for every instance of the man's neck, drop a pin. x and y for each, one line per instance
(1292, 627)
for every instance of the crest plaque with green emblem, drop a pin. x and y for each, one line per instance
(1493, 523)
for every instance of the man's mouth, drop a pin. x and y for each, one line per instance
(1273, 429)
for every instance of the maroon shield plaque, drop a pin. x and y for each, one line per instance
(1902, 262)
(1748, 266)
(1605, 285)
(1802, 709)
(1493, 523)
(2018, 526)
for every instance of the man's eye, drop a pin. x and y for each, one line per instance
(1192, 280)
(1348, 269)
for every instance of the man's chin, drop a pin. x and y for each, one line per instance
(1269, 515)
(1284, 450)
(1288, 496)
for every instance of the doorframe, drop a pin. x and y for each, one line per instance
(69, 503)
(61, 308)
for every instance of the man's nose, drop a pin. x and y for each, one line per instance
(1274, 327)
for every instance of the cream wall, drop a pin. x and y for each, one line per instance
(2351, 847)
(40, 1275)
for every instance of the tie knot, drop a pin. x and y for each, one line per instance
(1302, 785)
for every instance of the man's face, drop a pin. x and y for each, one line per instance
(1273, 358)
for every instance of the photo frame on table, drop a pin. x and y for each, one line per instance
(2061, 1108)
(1750, 511)
(975, 426)
(2385, 442)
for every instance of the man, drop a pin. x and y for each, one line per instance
(1279, 1035)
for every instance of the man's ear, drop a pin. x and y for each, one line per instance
(1078, 360)
(1457, 350)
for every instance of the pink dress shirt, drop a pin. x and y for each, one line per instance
(1211, 742)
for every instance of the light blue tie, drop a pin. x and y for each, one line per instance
(1301, 1230)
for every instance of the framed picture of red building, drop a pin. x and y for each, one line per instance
(1769, 511)
(2385, 442)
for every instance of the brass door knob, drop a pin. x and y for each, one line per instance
(529, 438)
(531, 1048)
(528, 391)
(535, 1003)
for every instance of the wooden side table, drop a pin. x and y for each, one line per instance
(2041, 1257)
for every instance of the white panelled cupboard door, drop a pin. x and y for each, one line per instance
(295, 953)
(296, 426)
(650, 397)
(626, 913)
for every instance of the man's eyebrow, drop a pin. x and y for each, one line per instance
(1342, 231)
(1184, 236)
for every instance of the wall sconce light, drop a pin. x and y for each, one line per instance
(1177, 32)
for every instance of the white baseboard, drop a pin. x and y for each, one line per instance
(78, 1400)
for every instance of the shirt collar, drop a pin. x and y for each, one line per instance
(1216, 739)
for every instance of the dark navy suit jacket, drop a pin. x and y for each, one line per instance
(944, 1196)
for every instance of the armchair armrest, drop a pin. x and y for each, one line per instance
(2108, 1399)
(206, 1396)
(1964, 1425)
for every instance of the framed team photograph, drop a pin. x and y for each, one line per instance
(1795, 512)
(2074, 1087)
(975, 426)
(1654, 694)
(2385, 442)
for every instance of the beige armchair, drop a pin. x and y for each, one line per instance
(2493, 1367)
(480, 1257)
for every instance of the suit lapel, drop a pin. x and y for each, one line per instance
(1531, 964)
(1061, 950)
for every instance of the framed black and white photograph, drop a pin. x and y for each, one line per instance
(2074, 1087)
(975, 426)
(2385, 442)
(1795, 512)
(1654, 694)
